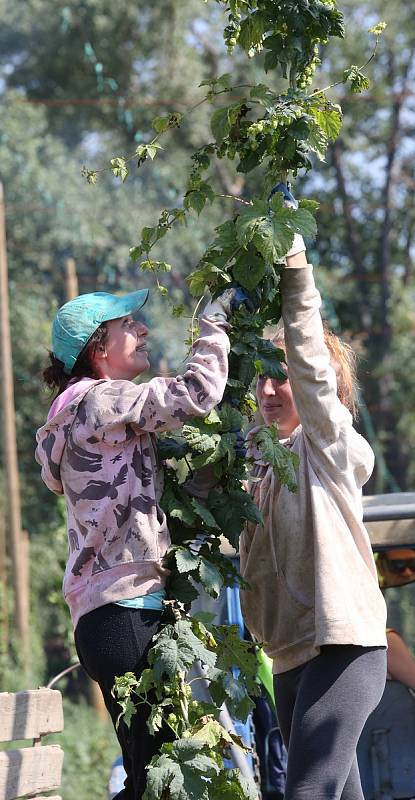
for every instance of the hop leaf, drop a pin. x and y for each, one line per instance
(252, 31)
(119, 168)
(204, 513)
(248, 221)
(155, 266)
(212, 733)
(249, 268)
(231, 418)
(177, 503)
(222, 82)
(144, 151)
(210, 577)
(183, 771)
(222, 120)
(234, 678)
(168, 447)
(359, 82)
(329, 120)
(264, 94)
(90, 175)
(176, 649)
(180, 587)
(231, 509)
(220, 124)
(283, 461)
(269, 360)
(186, 560)
(232, 785)
(162, 124)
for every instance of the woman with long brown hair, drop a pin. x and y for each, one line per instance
(314, 598)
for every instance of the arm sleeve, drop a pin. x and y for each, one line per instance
(164, 404)
(326, 423)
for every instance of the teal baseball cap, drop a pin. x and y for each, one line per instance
(77, 320)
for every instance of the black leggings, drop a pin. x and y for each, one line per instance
(110, 641)
(322, 707)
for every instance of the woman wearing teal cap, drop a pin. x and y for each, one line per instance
(97, 448)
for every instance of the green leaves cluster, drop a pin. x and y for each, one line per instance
(206, 453)
(192, 769)
(358, 81)
(247, 247)
(280, 129)
(253, 23)
(229, 671)
(270, 226)
(284, 462)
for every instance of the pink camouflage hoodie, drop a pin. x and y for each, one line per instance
(98, 449)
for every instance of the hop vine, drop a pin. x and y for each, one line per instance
(282, 133)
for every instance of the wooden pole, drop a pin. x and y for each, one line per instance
(71, 279)
(20, 585)
(24, 557)
(4, 607)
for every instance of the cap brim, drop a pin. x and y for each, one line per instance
(126, 304)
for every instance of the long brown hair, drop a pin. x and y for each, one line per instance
(343, 359)
(57, 379)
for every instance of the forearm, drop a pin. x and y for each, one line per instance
(164, 404)
(312, 376)
(297, 260)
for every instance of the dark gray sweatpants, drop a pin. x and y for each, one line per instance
(322, 707)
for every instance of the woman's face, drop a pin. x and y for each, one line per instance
(276, 404)
(397, 566)
(124, 355)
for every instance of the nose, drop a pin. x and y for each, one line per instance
(268, 388)
(141, 329)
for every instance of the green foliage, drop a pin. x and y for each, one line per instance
(231, 673)
(162, 124)
(119, 169)
(288, 37)
(176, 649)
(283, 461)
(231, 509)
(206, 565)
(358, 81)
(184, 770)
(280, 130)
(193, 769)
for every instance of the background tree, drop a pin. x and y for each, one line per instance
(367, 245)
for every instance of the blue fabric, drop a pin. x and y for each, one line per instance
(151, 602)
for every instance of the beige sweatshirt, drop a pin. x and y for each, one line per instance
(310, 567)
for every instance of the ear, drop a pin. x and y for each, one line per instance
(100, 354)
(99, 361)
